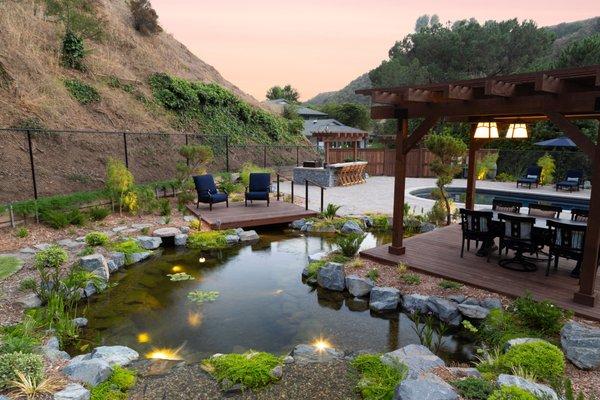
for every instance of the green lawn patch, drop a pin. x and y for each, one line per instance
(9, 265)
(252, 369)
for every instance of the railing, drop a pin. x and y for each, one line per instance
(306, 182)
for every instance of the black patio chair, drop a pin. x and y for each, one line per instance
(566, 241)
(544, 210)
(259, 188)
(477, 226)
(518, 235)
(579, 214)
(207, 191)
(501, 205)
(573, 181)
(532, 177)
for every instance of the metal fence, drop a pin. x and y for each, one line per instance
(36, 163)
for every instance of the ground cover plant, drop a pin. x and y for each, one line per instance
(472, 388)
(116, 387)
(127, 247)
(350, 243)
(29, 364)
(94, 239)
(208, 240)
(252, 369)
(9, 265)
(377, 380)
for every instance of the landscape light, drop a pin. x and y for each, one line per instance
(321, 345)
(143, 337)
(164, 354)
(517, 131)
(177, 268)
(486, 130)
(201, 260)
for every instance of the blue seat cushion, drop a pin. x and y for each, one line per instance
(215, 197)
(257, 195)
(527, 180)
(568, 183)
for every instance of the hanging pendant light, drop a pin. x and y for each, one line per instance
(517, 131)
(486, 130)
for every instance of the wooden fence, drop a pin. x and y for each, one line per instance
(381, 161)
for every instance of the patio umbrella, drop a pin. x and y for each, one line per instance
(562, 141)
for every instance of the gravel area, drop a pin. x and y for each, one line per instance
(324, 381)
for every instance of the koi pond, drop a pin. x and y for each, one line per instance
(262, 304)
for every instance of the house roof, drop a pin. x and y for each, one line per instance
(309, 112)
(329, 125)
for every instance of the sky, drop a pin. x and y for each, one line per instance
(321, 45)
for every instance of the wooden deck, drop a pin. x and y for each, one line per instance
(438, 253)
(257, 214)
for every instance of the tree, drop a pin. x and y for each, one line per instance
(287, 92)
(196, 157)
(119, 181)
(351, 114)
(580, 53)
(145, 19)
(447, 150)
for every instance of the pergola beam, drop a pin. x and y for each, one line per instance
(582, 141)
(459, 92)
(424, 96)
(499, 88)
(549, 84)
(420, 132)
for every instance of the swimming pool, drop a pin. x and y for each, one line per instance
(485, 197)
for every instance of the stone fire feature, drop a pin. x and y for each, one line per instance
(324, 176)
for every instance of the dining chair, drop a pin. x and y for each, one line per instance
(476, 225)
(566, 241)
(579, 214)
(502, 205)
(544, 210)
(518, 235)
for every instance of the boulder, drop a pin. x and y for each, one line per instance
(417, 358)
(332, 277)
(307, 227)
(91, 372)
(298, 224)
(29, 301)
(415, 303)
(351, 227)
(445, 310)
(427, 227)
(51, 350)
(181, 239)
(384, 298)
(70, 244)
(137, 257)
(189, 218)
(304, 353)
(517, 341)
(324, 228)
(581, 344)
(425, 387)
(465, 372)
(166, 232)
(470, 301)
(277, 372)
(141, 226)
(288, 360)
(149, 242)
(358, 286)
(248, 236)
(491, 303)
(457, 298)
(120, 228)
(368, 221)
(317, 256)
(232, 239)
(27, 250)
(73, 391)
(42, 246)
(89, 290)
(184, 229)
(112, 267)
(115, 355)
(80, 322)
(118, 259)
(95, 263)
(473, 312)
(537, 389)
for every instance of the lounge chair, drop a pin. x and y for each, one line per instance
(532, 177)
(207, 191)
(573, 181)
(259, 188)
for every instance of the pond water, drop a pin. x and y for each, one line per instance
(263, 304)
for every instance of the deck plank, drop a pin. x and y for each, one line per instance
(438, 253)
(257, 214)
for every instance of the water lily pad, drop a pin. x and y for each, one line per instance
(180, 276)
(203, 296)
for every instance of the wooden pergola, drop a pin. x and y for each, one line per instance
(559, 96)
(354, 136)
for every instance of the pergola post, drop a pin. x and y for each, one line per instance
(471, 178)
(397, 246)
(587, 278)
(355, 150)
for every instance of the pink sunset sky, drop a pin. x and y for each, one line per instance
(321, 45)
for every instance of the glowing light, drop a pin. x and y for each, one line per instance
(517, 131)
(177, 268)
(321, 344)
(486, 130)
(194, 319)
(278, 292)
(143, 337)
(201, 259)
(164, 354)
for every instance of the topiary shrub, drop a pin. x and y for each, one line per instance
(29, 364)
(542, 359)
(474, 388)
(210, 240)
(96, 239)
(252, 369)
(73, 51)
(511, 393)
(377, 380)
(82, 92)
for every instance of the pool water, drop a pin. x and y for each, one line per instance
(263, 304)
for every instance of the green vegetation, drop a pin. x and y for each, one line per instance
(351, 114)
(248, 168)
(165, 207)
(116, 387)
(430, 330)
(252, 369)
(511, 393)
(9, 265)
(73, 51)
(61, 218)
(411, 279)
(548, 168)
(373, 274)
(505, 177)
(119, 181)
(203, 296)
(286, 92)
(82, 92)
(180, 276)
(208, 240)
(543, 360)
(542, 316)
(98, 213)
(330, 211)
(314, 267)
(377, 380)
(474, 388)
(381, 223)
(209, 107)
(145, 19)
(487, 164)
(127, 247)
(29, 364)
(93, 239)
(500, 326)
(21, 338)
(22, 233)
(350, 243)
(450, 285)
(196, 157)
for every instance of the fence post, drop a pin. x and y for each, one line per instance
(227, 153)
(265, 156)
(292, 182)
(277, 187)
(33, 180)
(12, 215)
(297, 155)
(125, 148)
(322, 195)
(306, 196)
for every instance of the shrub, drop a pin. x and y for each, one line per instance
(118, 181)
(56, 219)
(314, 267)
(411, 279)
(511, 393)
(165, 207)
(500, 326)
(542, 316)
(98, 213)
(542, 359)
(474, 388)
(505, 177)
(548, 168)
(350, 243)
(248, 168)
(487, 164)
(22, 233)
(252, 369)
(127, 247)
(82, 92)
(76, 217)
(450, 285)
(331, 210)
(381, 223)
(377, 380)
(337, 258)
(209, 240)
(96, 239)
(145, 19)
(9, 265)
(195, 224)
(29, 364)
(373, 274)
(116, 387)
(73, 51)
(146, 201)
(53, 257)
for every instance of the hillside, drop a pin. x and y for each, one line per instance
(565, 33)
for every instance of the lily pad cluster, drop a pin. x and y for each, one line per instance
(203, 296)
(180, 276)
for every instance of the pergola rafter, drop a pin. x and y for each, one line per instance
(557, 95)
